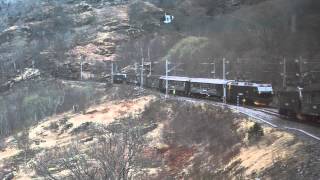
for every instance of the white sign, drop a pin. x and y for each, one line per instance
(168, 19)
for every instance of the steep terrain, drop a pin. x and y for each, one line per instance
(179, 140)
(64, 130)
(45, 43)
(55, 126)
(58, 36)
(254, 38)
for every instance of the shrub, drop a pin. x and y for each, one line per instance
(255, 132)
(63, 121)
(53, 126)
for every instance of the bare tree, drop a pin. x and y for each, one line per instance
(118, 154)
(114, 156)
(2, 143)
(24, 143)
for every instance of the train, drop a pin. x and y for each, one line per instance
(244, 92)
(302, 103)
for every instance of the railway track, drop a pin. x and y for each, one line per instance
(267, 116)
(268, 111)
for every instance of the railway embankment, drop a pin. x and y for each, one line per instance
(198, 140)
(166, 138)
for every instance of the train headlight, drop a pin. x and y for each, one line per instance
(244, 100)
(314, 107)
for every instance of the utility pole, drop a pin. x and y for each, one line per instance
(136, 68)
(301, 70)
(33, 66)
(167, 72)
(224, 68)
(150, 65)
(81, 68)
(136, 72)
(299, 74)
(112, 72)
(149, 54)
(166, 96)
(14, 66)
(150, 69)
(224, 78)
(238, 67)
(141, 72)
(142, 69)
(284, 74)
(214, 70)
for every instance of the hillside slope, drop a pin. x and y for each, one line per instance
(57, 36)
(171, 139)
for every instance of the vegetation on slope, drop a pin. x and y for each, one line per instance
(148, 138)
(254, 38)
(32, 101)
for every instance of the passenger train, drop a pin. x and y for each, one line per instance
(300, 102)
(236, 91)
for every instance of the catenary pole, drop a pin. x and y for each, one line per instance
(284, 78)
(81, 69)
(141, 75)
(224, 78)
(112, 72)
(166, 96)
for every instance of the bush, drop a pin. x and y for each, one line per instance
(255, 132)
(203, 124)
(63, 121)
(53, 126)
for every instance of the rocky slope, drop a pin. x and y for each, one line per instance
(166, 139)
(58, 36)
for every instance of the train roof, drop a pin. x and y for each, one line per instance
(175, 78)
(251, 84)
(209, 81)
(216, 81)
(120, 74)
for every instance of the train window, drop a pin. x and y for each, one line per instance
(265, 89)
(178, 83)
(212, 86)
(196, 85)
(204, 86)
